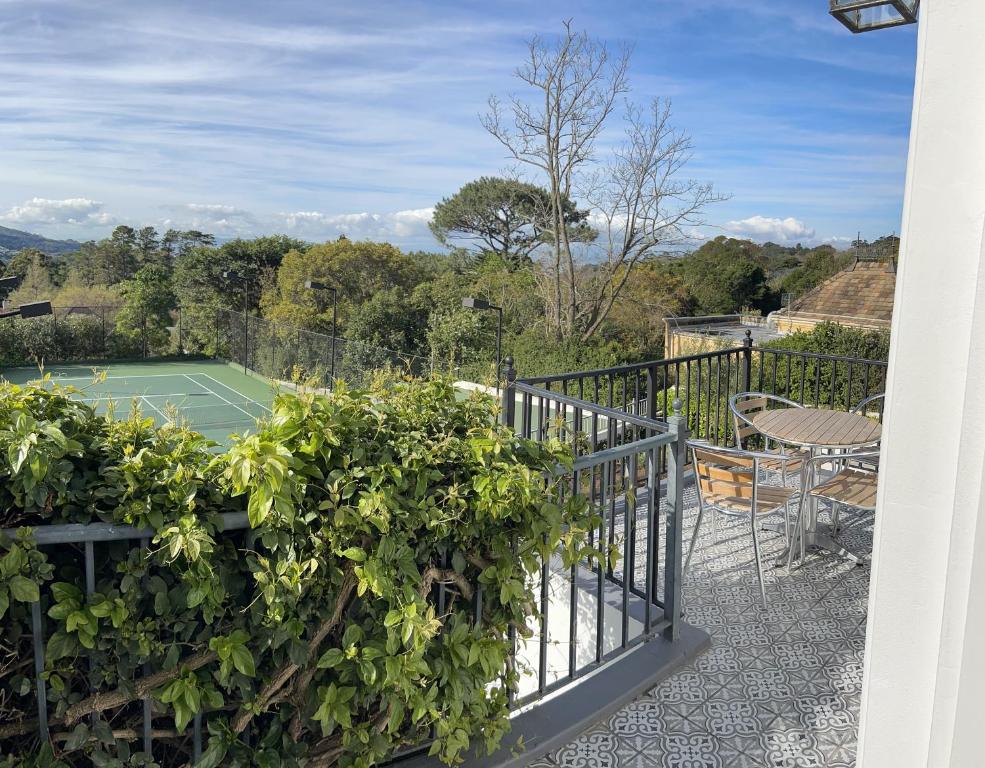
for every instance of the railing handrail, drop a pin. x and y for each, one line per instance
(629, 367)
(590, 407)
(821, 356)
(672, 361)
(78, 533)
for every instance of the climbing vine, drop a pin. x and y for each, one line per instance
(394, 536)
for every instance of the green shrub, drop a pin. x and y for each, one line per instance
(317, 627)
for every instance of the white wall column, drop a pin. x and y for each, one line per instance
(924, 693)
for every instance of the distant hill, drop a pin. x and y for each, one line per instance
(14, 239)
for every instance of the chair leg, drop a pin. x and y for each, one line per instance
(755, 554)
(835, 515)
(798, 529)
(694, 538)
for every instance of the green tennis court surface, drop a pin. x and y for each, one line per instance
(210, 397)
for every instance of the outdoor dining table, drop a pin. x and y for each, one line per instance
(818, 430)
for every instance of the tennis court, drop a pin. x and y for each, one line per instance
(211, 397)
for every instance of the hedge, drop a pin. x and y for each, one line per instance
(313, 637)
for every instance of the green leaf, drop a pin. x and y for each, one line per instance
(243, 661)
(60, 645)
(23, 589)
(4, 602)
(78, 737)
(354, 553)
(393, 617)
(331, 658)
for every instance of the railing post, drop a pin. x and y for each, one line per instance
(674, 557)
(747, 362)
(508, 403)
(651, 392)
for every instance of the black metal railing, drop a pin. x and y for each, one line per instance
(606, 608)
(84, 539)
(704, 383)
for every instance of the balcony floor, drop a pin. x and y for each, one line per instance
(780, 686)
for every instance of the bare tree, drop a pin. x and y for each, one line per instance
(636, 196)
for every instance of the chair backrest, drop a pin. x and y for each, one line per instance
(745, 405)
(723, 472)
(863, 405)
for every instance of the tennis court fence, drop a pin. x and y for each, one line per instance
(275, 350)
(282, 352)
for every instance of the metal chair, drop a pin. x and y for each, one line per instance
(743, 406)
(728, 483)
(861, 407)
(852, 485)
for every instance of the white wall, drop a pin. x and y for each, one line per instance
(924, 692)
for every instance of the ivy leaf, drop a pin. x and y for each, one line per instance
(355, 553)
(23, 589)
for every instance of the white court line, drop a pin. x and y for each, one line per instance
(231, 390)
(160, 413)
(229, 402)
(134, 376)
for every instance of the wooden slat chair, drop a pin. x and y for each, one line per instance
(728, 483)
(854, 485)
(744, 406)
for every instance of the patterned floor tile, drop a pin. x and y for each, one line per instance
(780, 687)
(791, 749)
(690, 750)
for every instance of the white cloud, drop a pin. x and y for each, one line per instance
(215, 218)
(74, 210)
(773, 229)
(404, 225)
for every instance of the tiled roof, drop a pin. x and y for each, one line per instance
(863, 292)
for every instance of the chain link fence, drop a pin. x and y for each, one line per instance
(76, 333)
(282, 352)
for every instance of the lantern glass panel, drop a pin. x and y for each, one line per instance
(864, 15)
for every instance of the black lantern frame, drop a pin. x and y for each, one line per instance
(869, 15)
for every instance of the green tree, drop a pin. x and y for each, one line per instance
(201, 289)
(818, 265)
(505, 217)
(723, 277)
(108, 262)
(390, 321)
(22, 260)
(357, 269)
(148, 300)
(148, 246)
(36, 283)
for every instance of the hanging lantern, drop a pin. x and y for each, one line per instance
(866, 15)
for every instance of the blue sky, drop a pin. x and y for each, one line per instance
(318, 118)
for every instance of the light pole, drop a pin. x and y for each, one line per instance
(481, 305)
(314, 285)
(236, 277)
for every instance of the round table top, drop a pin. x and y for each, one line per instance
(818, 427)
